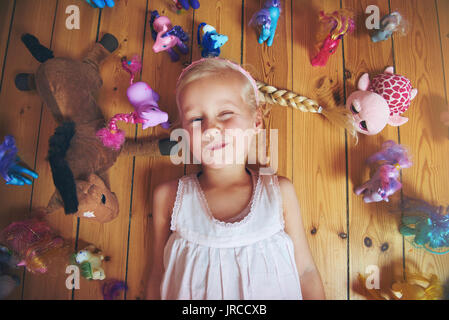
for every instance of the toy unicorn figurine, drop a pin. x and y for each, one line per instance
(211, 41)
(385, 181)
(389, 24)
(145, 102)
(34, 243)
(340, 23)
(166, 36)
(10, 170)
(184, 4)
(267, 19)
(380, 102)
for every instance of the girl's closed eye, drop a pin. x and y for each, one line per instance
(226, 115)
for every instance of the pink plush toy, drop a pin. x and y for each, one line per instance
(146, 109)
(385, 181)
(380, 102)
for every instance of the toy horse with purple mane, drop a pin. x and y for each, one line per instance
(267, 19)
(166, 36)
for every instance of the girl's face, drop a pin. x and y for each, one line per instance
(220, 124)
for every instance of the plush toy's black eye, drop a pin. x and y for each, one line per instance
(103, 199)
(363, 125)
(353, 109)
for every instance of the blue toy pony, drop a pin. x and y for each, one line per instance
(267, 19)
(101, 3)
(211, 41)
(195, 4)
(10, 170)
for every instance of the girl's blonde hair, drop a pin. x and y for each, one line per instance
(216, 67)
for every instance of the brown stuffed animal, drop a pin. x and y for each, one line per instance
(78, 159)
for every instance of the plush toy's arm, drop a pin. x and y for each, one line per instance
(148, 148)
(101, 50)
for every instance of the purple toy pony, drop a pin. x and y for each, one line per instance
(385, 181)
(166, 36)
(145, 103)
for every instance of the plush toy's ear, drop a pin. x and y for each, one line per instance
(413, 93)
(389, 70)
(363, 83)
(396, 121)
(55, 203)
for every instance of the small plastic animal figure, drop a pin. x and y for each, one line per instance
(90, 260)
(266, 20)
(185, 4)
(380, 102)
(385, 181)
(211, 42)
(428, 224)
(388, 24)
(145, 103)
(10, 170)
(340, 23)
(8, 281)
(166, 36)
(34, 242)
(101, 3)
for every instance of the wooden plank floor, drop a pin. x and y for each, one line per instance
(323, 163)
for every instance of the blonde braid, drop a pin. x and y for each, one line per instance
(339, 116)
(272, 95)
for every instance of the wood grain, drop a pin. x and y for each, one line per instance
(161, 74)
(20, 112)
(371, 223)
(272, 65)
(319, 151)
(418, 56)
(73, 44)
(6, 16)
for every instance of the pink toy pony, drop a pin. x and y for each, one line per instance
(385, 181)
(340, 23)
(380, 102)
(166, 36)
(145, 103)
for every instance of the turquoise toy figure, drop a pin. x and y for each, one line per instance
(267, 19)
(428, 224)
(211, 42)
(101, 3)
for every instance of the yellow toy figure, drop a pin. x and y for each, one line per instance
(90, 260)
(416, 287)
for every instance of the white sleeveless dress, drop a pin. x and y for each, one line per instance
(249, 259)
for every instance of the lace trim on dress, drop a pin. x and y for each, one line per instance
(177, 204)
(256, 192)
(277, 191)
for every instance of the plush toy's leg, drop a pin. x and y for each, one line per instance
(101, 50)
(25, 82)
(39, 52)
(147, 148)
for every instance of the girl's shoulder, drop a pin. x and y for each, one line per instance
(164, 195)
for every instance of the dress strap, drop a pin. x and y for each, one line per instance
(177, 205)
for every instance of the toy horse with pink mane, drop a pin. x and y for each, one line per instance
(166, 36)
(146, 109)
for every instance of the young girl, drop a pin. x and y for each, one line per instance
(227, 232)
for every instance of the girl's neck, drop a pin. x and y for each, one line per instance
(223, 177)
